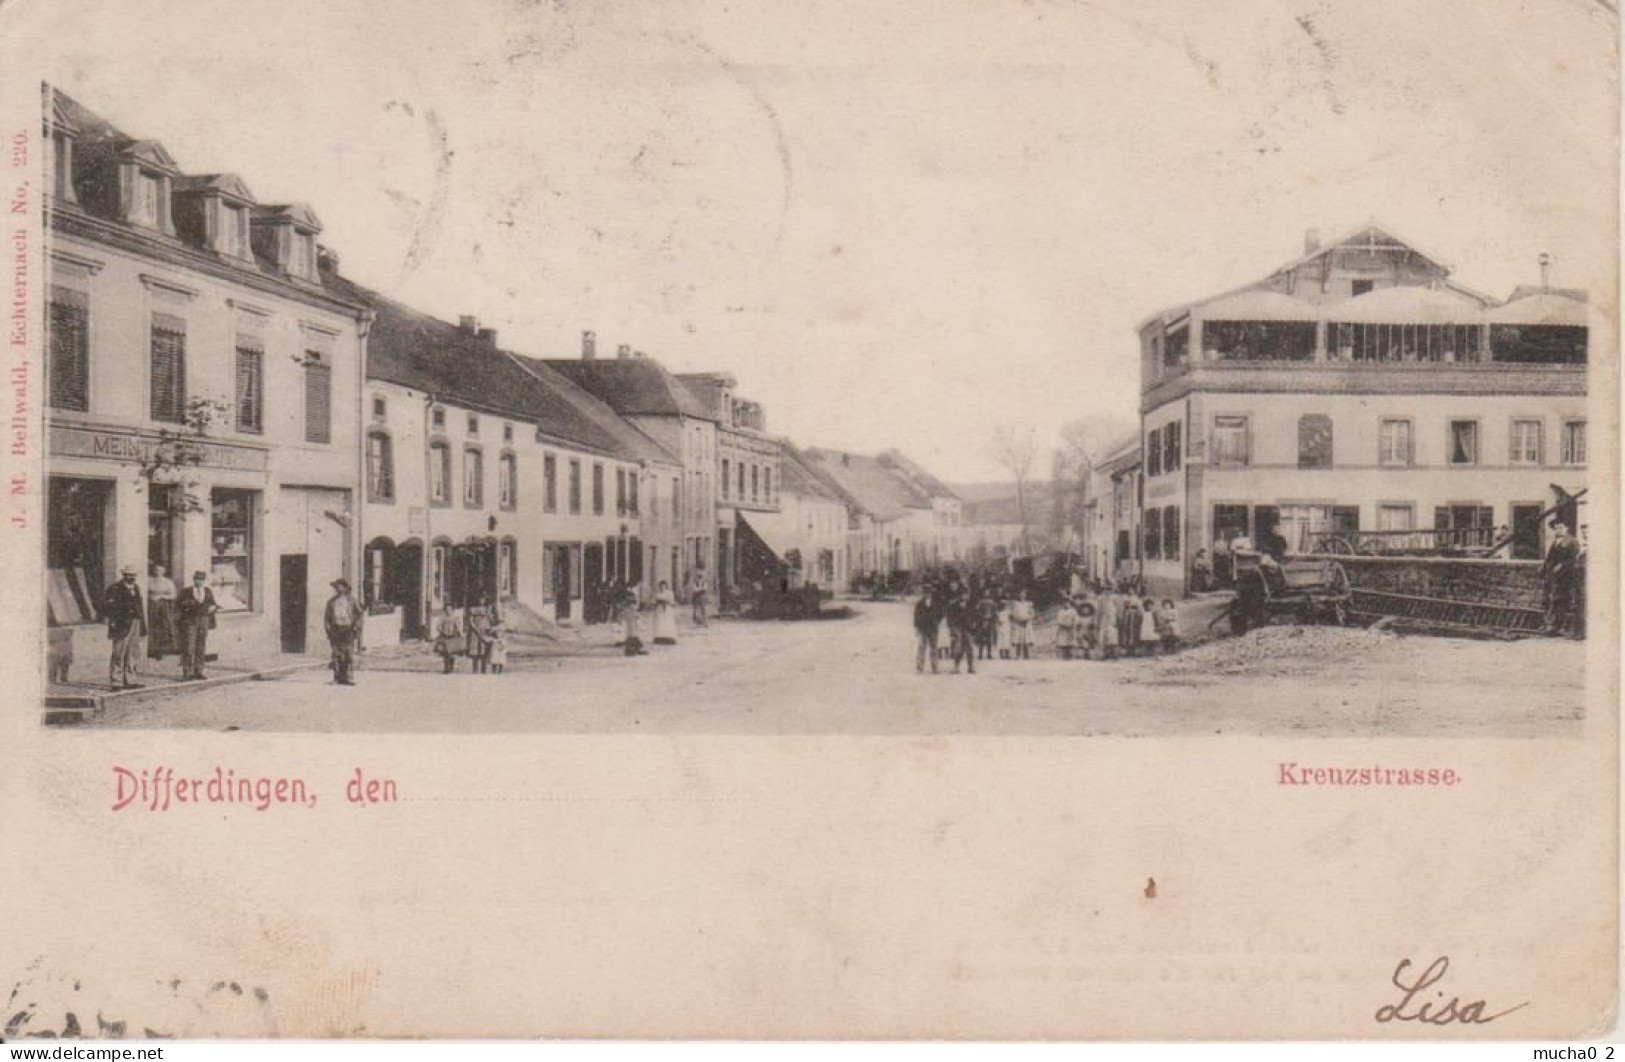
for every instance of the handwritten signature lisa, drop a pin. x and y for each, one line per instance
(1415, 1006)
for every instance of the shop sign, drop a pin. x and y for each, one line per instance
(131, 448)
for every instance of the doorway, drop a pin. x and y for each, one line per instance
(561, 581)
(1526, 532)
(592, 578)
(294, 569)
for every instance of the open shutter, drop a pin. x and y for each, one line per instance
(250, 385)
(69, 379)
(318, 400)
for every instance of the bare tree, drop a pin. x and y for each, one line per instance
(1016, 451)
(1083, 445)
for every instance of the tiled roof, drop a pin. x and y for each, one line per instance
(633, 386)
(878, 490)
(915, 474)
(415, 350)
(632, 440)
(798, 476)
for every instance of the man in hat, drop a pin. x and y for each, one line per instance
(1559, 576)
(194, 612)
(126, 622)
(343, 623)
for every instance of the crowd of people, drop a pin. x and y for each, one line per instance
(985, 616)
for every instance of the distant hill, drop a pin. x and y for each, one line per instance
(995, 503)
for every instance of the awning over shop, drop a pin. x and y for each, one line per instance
(776, 532)
(1407, 306)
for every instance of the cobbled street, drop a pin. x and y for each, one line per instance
(857, 677)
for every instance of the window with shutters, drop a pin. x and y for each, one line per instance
(1153, 453)
(1170, 533)
(632, 494)
(168, 377)
(726, 479)
(439, 474)
(318, 398)
(1153, 534)
(597, 489)
(69, 378)
(550, 484)
(575, 488)
(508, 481)
(380, 467)
(250, 385)
(620, 492)
(1172, 445)
(473, 477)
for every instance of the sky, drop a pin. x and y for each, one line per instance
(897, 222)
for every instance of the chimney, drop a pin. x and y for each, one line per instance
(488, 336)
(623, 351)
(589, 346)
(639, 354)
(1311, 241)
(327, 260)
(468, 323)
(1545, 270)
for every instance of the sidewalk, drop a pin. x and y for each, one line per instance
(87, 693)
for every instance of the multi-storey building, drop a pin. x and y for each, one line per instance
(815, 520)
(901, 518)
(484, 483)
(1358, 387)
(640, 390)
(203, 387)
(747, 473)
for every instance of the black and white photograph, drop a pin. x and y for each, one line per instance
(1089, 437)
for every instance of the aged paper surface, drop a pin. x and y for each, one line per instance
(1343, 275)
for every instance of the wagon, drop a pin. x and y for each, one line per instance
(1306, 590)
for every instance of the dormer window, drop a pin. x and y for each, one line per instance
(61, 131)
(303, 261)
(233, 230)
(287, 236)
(146, 199)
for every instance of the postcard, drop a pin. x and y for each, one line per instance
(1001, 520)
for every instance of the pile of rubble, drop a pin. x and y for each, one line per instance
(1294, 646)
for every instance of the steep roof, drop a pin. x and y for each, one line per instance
(415, 350)
(634, 441)
(878, 490)
(633, 386)
(922, 480)
(798, 476)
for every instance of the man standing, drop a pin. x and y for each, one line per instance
(194, 611)
(961, 624)
(342, 621)
(126, 622)
(926, 621)
(697, 590)
(1558, 577)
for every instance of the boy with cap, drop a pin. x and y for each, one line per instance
(126, 622)
(194, 610)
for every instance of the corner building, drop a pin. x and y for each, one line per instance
(1358, 388)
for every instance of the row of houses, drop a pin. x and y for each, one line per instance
(221, 397)
(1357, 390)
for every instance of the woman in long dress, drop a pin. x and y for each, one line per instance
(479, 638)
(665, 625)
(163, 638)
(1106, 621)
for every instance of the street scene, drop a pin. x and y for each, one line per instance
(321, 484)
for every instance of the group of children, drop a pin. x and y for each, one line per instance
(484, 640)
(1114, 624)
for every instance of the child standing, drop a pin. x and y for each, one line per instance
(1001, 630)
(1150, 637)
(1065, 622)
(1168, 626)
(499, 644)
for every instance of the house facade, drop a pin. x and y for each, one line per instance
(1359, 389)
(483, 483)
(816, 521)
(651, 399)
(748, 477)
(203, 388)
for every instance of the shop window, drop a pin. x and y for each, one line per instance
(231, 553)
(473, 477)
(1464, 442)
(550, 483)
(1574, 442)
(168, 371)
(1314, 441)
(597, 489)
(68, 381)
(163, 527)
(78, 532)
(1526, 442)
(250, 385)
(380, 467)
(318, 398)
